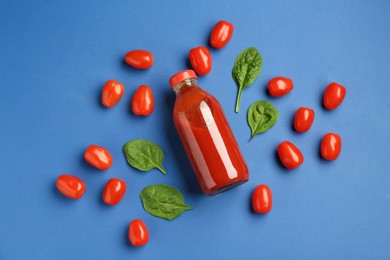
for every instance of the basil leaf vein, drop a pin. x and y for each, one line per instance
(262, 115)
(247, 67)
(144, 155)
(163, 201)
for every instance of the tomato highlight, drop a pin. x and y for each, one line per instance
(262, 199)
(114, 190)
(98, 157)
(142, 102)
(280, 86)
(221, 34)
(71, 186)
(138, 233)
(303, 119)
(140, 59)
(112, 92)
(334, 95)
(290, 156)
(331, 146)
(201, 60)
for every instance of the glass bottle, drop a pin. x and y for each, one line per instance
(206, 136)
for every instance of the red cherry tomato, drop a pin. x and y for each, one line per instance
(303, 119)
(114, 191)
(333, 96)
(143, 101)
(138, 233)
(331, 146)
(98, 157)
(262, 199)
(200, 59)
(290, 156)
(112, 93)
(139, 59)
(71, 186)
(280, 86)
(221, 34)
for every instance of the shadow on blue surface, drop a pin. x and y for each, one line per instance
(99, 96)
(320, 101)
(100, 198)
(265, 91)
(187, 63)
(207, 37)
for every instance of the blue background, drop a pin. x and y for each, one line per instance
(57, 55)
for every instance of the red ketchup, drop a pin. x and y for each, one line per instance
(206, 136)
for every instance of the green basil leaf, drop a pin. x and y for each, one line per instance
(262, 115)
(144, 155)
(247, 67)
(163, 201)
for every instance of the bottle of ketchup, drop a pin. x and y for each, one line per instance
(206, 136)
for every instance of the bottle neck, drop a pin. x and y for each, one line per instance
(184, 84)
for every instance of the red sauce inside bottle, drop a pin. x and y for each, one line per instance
(208, 139)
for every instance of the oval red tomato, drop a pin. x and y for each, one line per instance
(280, 86)
(112, 93)
(262, 199)
(138, 233)
(114, 191)
(334, 95)
(221, 34)
(98, 157)
(200, 59)
(303, 119)
(139, 59)
(331, 146)
(71, 186)
(290, 156)
(142, 103)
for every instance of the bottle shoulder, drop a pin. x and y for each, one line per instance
(197, 110)
(193, 97)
